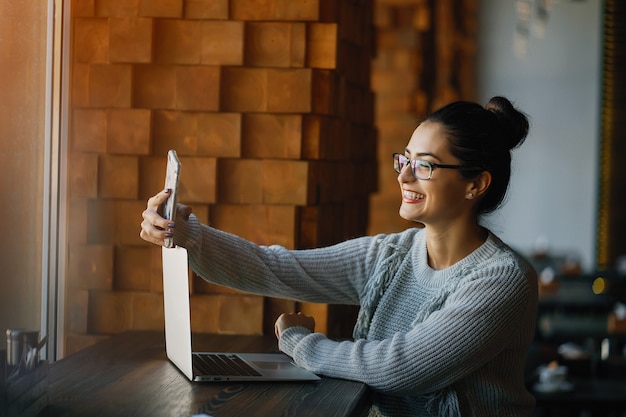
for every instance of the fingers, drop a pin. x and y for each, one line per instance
(154, 228)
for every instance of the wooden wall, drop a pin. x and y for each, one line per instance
(271, 106)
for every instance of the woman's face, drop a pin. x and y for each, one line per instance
(442, 200)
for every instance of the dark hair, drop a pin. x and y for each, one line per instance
(482, 139)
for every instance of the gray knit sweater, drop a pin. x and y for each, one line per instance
(429, 342)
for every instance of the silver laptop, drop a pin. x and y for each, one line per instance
(212, 366)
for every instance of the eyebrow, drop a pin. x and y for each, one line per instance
(422, 154)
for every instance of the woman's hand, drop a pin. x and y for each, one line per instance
(154, 228)
(287, 320)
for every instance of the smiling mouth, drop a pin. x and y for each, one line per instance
(412, 196)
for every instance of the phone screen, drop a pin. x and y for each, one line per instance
(172, 175)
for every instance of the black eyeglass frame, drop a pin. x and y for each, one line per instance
(432, 165)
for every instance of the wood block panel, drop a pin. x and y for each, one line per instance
(83, 177)
(205, 310)
(154, 86)
(161, 8)
(89, 133)
(110, 312)
(91, 40)
(274, 10)
(264, 225)
(198, 88)
(240, 181)
(90, 267)
(110, 85)
(272, 136)
(80, 85)
(219, 134)
(244, 89)
(319, 312)
(206, 9)
(222, 42)
(321, 45)
(289, 90)
(175, 130)
(151, 176)
(287, 182)
(156, 269)
(129, 131)
(118, 177)
(131, 268)
(148, 312)
(240, 314)
(128, 219)
(130, 39)
(197, 181)
(101, 222)
(322, 138)
(76, 310)
(275, 44)
(77, 228)
(113, 8)
(83, 8)
(200, 286)
(272, 309)
(176, 41)
(324, 92)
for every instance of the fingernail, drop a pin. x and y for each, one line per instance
(167, 190)
(169, 234)
(170, 225)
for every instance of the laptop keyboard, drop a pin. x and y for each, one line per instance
(222, 364)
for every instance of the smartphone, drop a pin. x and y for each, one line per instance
(172, 175)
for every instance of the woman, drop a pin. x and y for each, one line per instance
(447, 312)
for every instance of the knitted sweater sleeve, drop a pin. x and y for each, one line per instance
(275, 271)
(475, 324)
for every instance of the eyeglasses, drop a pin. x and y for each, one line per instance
(420, 168)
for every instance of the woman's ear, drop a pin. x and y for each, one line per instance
(479, 185)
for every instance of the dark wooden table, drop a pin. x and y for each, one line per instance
(129, 375)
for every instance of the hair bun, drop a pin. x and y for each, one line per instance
(514, 123)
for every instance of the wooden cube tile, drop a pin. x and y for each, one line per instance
(204, 313)
(175, 130)
(289, 90)
(201, 286)
(83, 8)
(238, 219)
(272, 309)
(280, 225)
(101, 222)
(240, 181)
(321, 45)
(319, 312)
(275, 44)
(118, 177)
(89, 130)
(129, 131)
(91, 40)
(322, 138)
(113, 8)
(222, 42)
(80, 85)
(110, 312)
(161, 8)
(176, 41)
(197, 181)
(77, 228)
(240, 314)
(110, 85)
(244, 89)
(206, 9)
(128, 220)
(198, 88)
(130, 39)
(151, 176)
(304, 10)
(148, 312)
(154, 86)
(76, 310)
(324, 92)
(287, 182)
(219, 134)
(272, 136)
(156, 269)
(90, 267)
(83, 175)
(252, 10)
(131, 271)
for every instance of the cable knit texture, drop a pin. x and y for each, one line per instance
(449, 342)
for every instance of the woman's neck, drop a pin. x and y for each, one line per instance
(448, 246)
